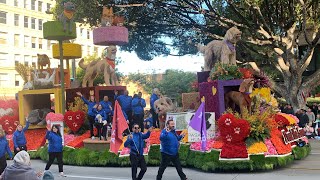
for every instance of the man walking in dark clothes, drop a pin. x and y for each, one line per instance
(169, 150)
(136, 143)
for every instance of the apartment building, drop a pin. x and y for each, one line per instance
(21, 39)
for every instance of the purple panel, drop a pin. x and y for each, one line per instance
(215, 103)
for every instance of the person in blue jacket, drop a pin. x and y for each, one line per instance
(136, 143)
(101, 122)
(125, 103)
(55, 148)
(155, 96)
(107, 107)
(138, 105)
(19, 138)
(4, 148)
(148, 122)
(169, 150)
(90, 103)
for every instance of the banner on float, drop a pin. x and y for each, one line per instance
(193, 135)
(179, 120)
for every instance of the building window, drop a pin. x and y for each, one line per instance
(40, 43)
(26, 23)
(33, 61)
(16, 40)
(40, 24)
(17, 82)
(3, 17)
(81, 32)
(3, 59)
(33, 4)
(16, 19)
(26, 41)
(88, 34)
(33, 23)
(88, 50)
(16, 3)
(17, 59)
(25, 4)
(3, 37)
(4, 79)
(33, 42)
(48, 7)
(39, 6)
(3, 1)
(33, 64)
(26, 60)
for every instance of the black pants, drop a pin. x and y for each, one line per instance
(22, 148)
(3, 163)
(52, 156)
(155, 118)
(91, 123)
(138, 119)
(102, 129)
(165, 161)
(137, 161)
(129, 114)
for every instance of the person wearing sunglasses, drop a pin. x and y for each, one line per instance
(136, 143)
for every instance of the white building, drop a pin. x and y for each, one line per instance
(21, 39)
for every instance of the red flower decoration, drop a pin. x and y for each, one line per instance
(281, 121)
(233, 132)
(277, 141)
(9, 115)
(74, 120)
(78, 141)
(246, 73)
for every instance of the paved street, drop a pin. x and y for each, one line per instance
(306, 169)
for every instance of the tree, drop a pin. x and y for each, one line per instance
(272, 31)
(173, 83)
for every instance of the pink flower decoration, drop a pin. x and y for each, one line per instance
(54, 117)
(295, 118)
(271, 149)
(68, 138)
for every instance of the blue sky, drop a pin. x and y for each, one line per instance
(132, 64)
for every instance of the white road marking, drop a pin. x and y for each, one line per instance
(93, 177)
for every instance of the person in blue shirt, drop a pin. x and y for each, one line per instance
(148, 122)
(138, 105)
(155, 96)
(107, 107)
(169, 150)
(90, 103)
(4, 148)
(125, 103)
(55, 148)
(101, 122)
(19, 138)
(136, 143)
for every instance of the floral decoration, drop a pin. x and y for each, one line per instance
(277, 141)
(74, 120)
(9, 115)
(155, 137)
(217, 144)
(225, 72)
(35, 139)
(271, 149)
(233, 133)
(257, 148)
(78, 140)
(196, 146)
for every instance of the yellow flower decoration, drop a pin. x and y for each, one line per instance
(257, 148)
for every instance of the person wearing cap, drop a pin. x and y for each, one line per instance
(90, 103)
(47, 175)
(136, 143)
(4, 148)
(21, 169)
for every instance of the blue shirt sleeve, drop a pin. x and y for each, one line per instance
(15, 140)
(48, 135)
(85, 100)
(128, 142)
(8, 150)
(143, 103)
(146, 135)
(164, 135)
(26, 127)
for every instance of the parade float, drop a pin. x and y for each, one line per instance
(245, 133)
